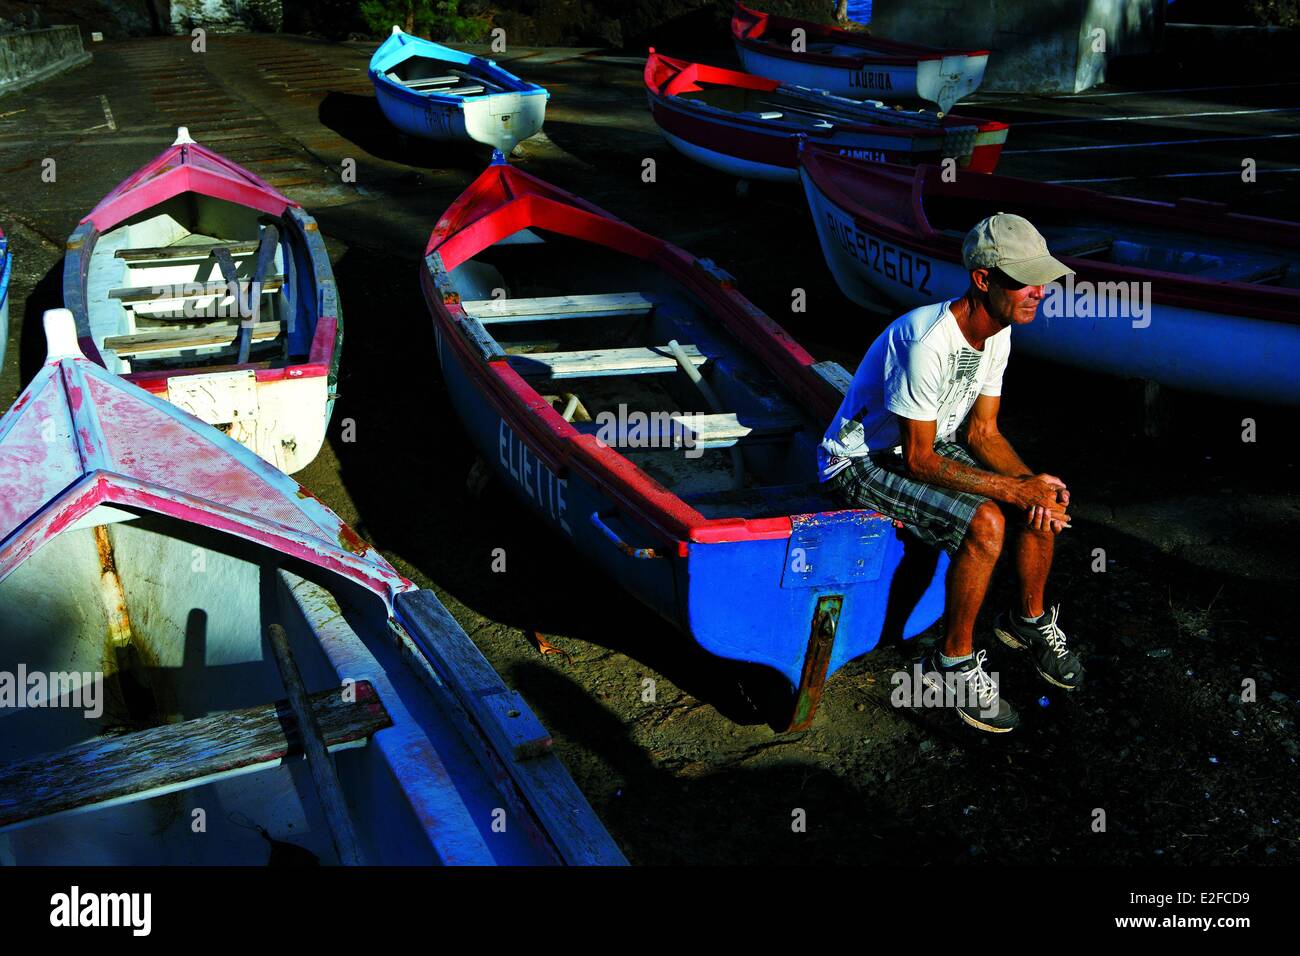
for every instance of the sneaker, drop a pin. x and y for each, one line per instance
(984, 708)
(1055, 661)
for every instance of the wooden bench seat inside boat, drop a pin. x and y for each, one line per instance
(138, 295)
(719, 430)
(172, 757)
(195, 251)
(546, 308)
(588, 363)
(427, 82)
(472, 90)
(163, 340)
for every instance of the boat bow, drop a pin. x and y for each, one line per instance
(80, 438)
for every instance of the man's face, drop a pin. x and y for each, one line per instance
(1010, 302)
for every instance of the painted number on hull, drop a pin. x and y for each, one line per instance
(539, 484)
(896, 265)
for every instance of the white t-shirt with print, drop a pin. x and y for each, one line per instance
(920, 367)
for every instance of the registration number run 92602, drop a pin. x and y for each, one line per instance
(896, 265)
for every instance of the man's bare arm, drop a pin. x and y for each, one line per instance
(987, 443)
(925, 464)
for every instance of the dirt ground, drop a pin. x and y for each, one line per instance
(1197, 526)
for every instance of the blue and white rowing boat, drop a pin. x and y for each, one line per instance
(1187, 294)
(429, 90)
(144, 559)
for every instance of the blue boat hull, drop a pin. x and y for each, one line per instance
(750, 600)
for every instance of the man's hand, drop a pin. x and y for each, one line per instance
(1044, 498)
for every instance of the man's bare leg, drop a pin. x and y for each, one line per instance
(1033, 563)
(968, 578)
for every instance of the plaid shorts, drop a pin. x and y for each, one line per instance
(938, 516)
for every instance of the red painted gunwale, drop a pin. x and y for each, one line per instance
(192, 167)
(891, 200)
(666, 77)
(504, 200)
(127, 448)
(751, 28)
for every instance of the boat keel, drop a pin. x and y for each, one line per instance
(821, 641)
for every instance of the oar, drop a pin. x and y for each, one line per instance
(318, 760)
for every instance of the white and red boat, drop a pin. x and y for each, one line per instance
(852, 63)
(750, 126)
(200, 282)
(145, 559)
(1187, 294)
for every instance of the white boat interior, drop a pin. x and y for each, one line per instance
(174, 617)
(427, 74)
(594, 341)
(159, 288)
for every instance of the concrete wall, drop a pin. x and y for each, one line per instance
(1040, 46)
(35, 55)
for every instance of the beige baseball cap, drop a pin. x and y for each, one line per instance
(1011, 243)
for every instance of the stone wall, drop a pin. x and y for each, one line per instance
(31, 56)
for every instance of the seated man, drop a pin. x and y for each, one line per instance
(891, 448)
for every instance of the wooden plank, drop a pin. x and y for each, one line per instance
(725, 428)
(179, 756)
(545, 784)
(465, 90)
(546, 308)
(835, 375)
(196, 251)
(720, 430)
(588, 363)
(428, 81)
(162, 340)
(190, 290)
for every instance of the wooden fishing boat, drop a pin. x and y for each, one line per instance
(144, 558)
(429, 90)
(6, 267)
(1186, 294)
(750, 126)
(852, 63)
(201, 283)
(651, 415)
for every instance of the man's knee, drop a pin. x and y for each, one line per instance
(987, 529)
